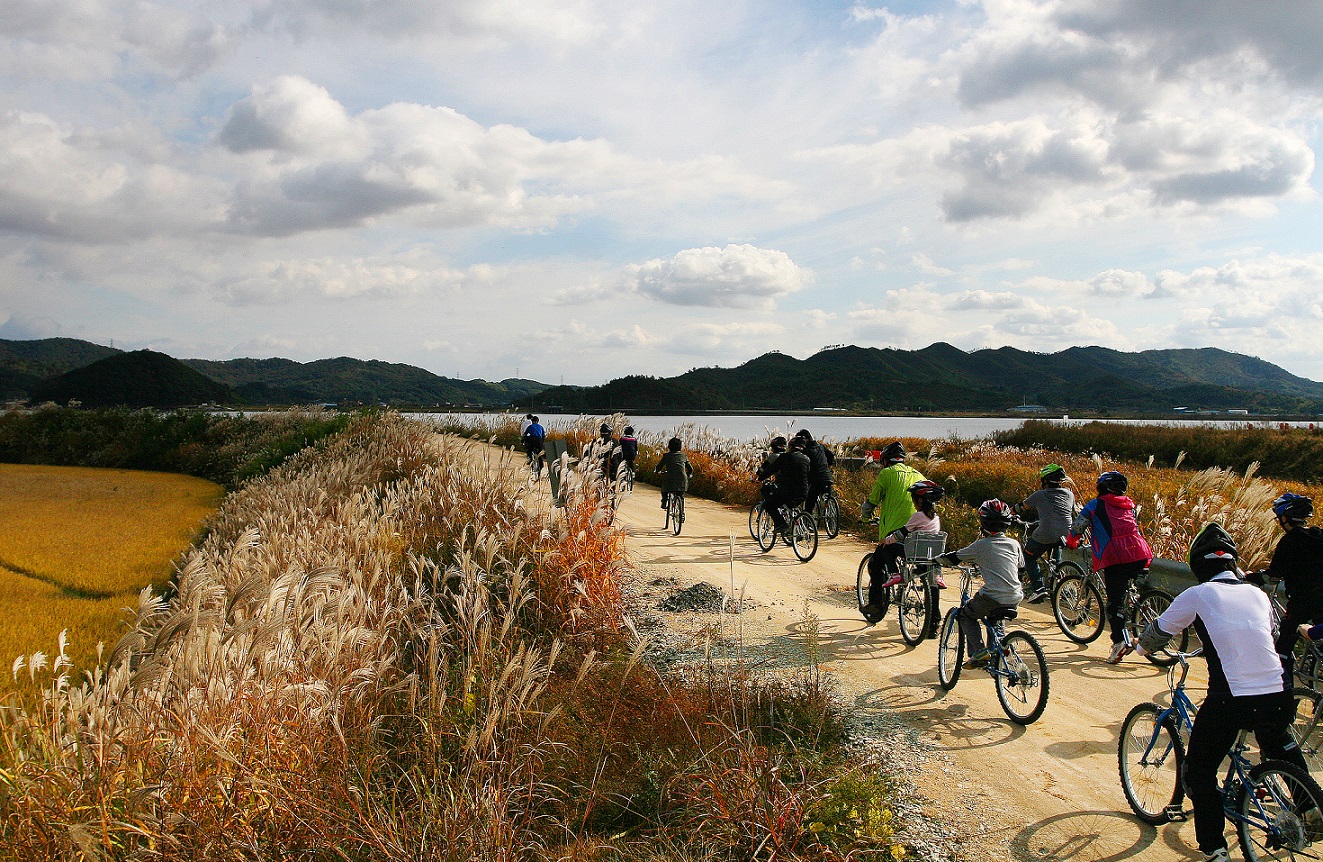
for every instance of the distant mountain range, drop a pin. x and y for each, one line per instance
(61, 369)
(943, 378)
(938, 378)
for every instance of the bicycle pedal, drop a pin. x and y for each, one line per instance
(1176, 814)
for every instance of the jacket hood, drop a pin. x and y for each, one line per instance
(1118, 501)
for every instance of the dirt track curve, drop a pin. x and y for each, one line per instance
(1047, 791)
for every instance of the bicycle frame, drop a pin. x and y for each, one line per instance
(993, 633)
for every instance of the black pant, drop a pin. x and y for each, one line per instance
(1116, 578)
(1216, 725)
(774, 497)
(884, 563)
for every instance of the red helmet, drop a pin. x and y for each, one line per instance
(927, 489)
(995, 516)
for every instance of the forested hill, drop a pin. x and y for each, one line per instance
(941, 377)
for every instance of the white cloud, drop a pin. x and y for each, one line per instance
(730, 339)
(925, 264)
(982, 300)
(379, 278)
(737, 276)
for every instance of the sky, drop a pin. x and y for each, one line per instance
(576, 190)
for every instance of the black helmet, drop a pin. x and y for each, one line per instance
(629, 429)
(1293, 507)
(605, 429)
(927, 489)
(778, 444)
(1113, 482)
(1212, 551)
(797, 444)
(995, 516)
(803, 434)
(893, 453)
(1053, 474)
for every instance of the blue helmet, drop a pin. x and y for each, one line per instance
(1293, 507)
(1112, 482)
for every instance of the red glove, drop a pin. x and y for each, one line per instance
(1072, 541)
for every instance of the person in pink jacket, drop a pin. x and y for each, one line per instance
(1119, 549)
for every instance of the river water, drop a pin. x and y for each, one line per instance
(829, 426)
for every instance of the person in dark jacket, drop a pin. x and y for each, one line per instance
(534, 438)
(1298, 562)
(676, 471)
(790, 472)
(821, 461)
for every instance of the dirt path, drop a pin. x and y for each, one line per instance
(1048, 791)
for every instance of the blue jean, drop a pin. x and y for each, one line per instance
(1033, 549)
(971, 617)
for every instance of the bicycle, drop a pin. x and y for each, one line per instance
(1052, 564)
(1274, 798)
(803, 538)
(674, 512)
(916, 596)
(1017, 665)
(827, 510)
(1081, 611)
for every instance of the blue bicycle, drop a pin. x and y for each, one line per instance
(1276, 806)
(1017, 665)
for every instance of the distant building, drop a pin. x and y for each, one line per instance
(1029, 408)
(1237, 411)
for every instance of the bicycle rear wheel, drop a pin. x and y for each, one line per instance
(675, 513)
(765, 531)
(861, 581)
(1149, 757)
(950, 651)
(1305, 729)
(831, 516)
(912, 603)
(1150, 606)
(803, 535)
(1079, 608)
(1278, 813)
(1021, 678)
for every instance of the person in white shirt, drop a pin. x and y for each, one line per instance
(1249, 686)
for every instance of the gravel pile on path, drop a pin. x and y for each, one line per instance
(700, 598)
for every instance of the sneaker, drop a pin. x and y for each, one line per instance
(1036, 597)
(978, 659)
(941, 582)
(1119, 651)
(872, 613)
(1218, 855)
(892, 581)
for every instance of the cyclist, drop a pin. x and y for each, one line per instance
(789, 485)
(1298, 562)
(677, 470)
(1248, 688)
(891, 500)
(924, 494)
(821, 460)
(1119, 549)
(629, 447)
(999, 560)
(1055, 507)
(602, 452)
(534, 437)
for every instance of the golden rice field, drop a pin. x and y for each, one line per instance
(77, 544)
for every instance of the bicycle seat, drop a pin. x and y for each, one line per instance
(1001, 615)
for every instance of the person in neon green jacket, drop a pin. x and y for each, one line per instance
(890, 498)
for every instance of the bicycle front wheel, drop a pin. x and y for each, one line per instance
(1277, 813)
(913, 606)
(804, 536)
(1149, 756)
(755, 513)
(831, 516)
(1305, 729)
(1021, 678)
(1079, 608)
(950, 651)
(1150, 606)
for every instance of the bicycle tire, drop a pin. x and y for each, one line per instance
(912, 606)
(766, 534)
(861, 580)
(831, 516)
(1286, 795)
(1149, 606)
(1078, 608)
(1069, 569)
(755, 512)
(950, 651)
(803, 536)
(1305, 729)
(1149, 758)
(675, 513)
(1022, 680)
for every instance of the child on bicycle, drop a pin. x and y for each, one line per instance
(1297, 562)
(999, 560)
(1055, 507)
(785, 478)
(676, 471)
(924, 494)
(1119, 549)
(629, 447)
(1248, 688)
